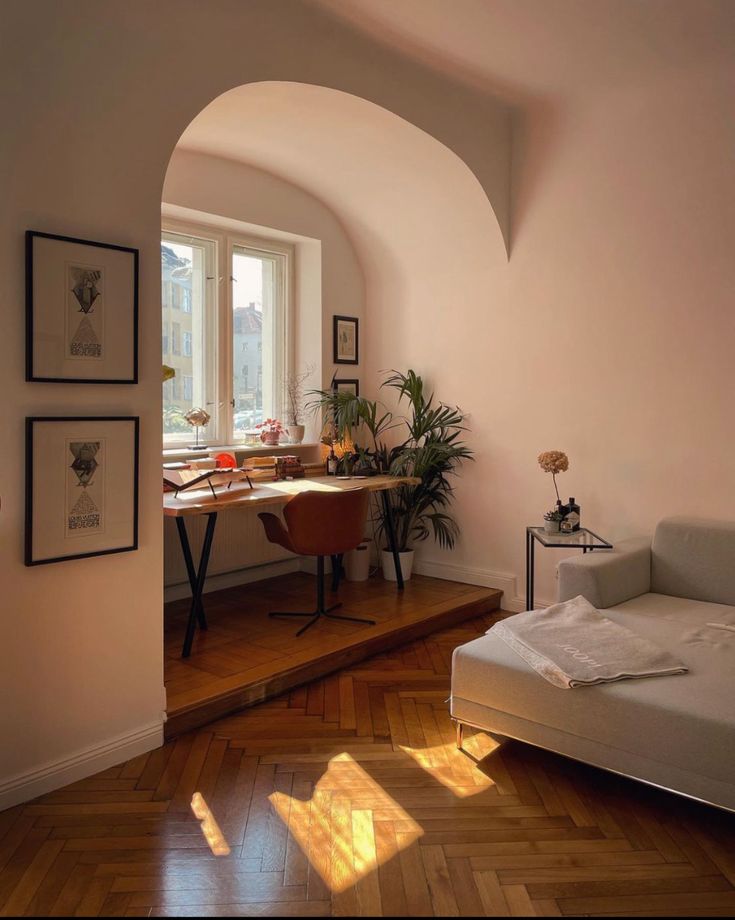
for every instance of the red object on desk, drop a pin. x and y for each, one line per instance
(225, 461)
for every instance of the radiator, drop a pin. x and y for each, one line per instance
(239, 543)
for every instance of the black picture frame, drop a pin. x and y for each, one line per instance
(355, 323)
(33, 373)
(344, 383)
(31, 423)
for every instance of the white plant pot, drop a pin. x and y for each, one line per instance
(551, 526)
(296, 433)
(389, 569)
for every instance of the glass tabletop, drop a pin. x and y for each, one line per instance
(582, 538)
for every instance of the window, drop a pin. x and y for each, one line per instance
(228, 340)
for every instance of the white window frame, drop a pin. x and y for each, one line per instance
(220, 325)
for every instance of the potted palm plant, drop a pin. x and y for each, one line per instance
(425, 443)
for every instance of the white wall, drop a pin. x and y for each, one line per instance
(95, 98)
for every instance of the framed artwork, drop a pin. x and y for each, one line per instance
(81, 310)
(346, 386)
(346, 342)
(81, 487)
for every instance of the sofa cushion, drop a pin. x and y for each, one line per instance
(694, 558)
(687, 720)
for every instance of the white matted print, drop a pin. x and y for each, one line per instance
(346, 344)
(81, 487)
(81, 310)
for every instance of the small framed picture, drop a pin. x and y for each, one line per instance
(81, 310)
(346, 386)
(81, 487)
(346, 342)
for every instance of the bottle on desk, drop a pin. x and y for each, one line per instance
(332, 462)
(571, 518)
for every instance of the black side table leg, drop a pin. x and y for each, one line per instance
(530, 567)
(391, 534)
(196, 611)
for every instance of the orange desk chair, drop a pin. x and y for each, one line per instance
(320, 524)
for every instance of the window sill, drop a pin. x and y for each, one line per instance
(172, 454)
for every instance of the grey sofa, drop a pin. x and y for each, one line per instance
(676, 732)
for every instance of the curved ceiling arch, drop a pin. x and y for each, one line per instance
(379, 173)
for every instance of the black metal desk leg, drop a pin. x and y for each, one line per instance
(391, 534)
(190, 570)
(198, 585)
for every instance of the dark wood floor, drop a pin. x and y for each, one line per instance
(246, 657)
(348, 797)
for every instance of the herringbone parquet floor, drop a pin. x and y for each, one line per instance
(348, 797)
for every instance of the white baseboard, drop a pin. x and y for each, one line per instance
(503, 581)
(230, 579)
(53, 775)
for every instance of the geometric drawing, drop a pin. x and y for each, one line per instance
(85, 286)
(84, 343)
(85, 311)
(85, 514)
(84, 463)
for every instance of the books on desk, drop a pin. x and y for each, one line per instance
(178, 477)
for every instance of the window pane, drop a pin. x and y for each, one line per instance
(184, 303)
(254, 298)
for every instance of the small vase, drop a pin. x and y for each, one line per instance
(296, 433)
(270, 438)
(551, 526)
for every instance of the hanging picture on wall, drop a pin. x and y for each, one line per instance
(81, 310)
(346, 386)
(346, 344)
(81, 487)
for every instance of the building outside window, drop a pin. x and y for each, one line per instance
(228, 344)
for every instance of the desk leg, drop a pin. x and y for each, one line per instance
(391, 534)
(196, 578)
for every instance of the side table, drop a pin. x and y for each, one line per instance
(583, 539)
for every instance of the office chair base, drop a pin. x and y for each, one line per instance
(317, 614)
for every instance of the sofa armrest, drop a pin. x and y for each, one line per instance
(607, 578)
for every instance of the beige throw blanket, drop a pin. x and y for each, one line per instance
(573, 645)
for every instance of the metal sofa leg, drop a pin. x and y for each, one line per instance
(460, 734)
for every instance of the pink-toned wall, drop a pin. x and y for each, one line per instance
(610, 333)
(94, 99)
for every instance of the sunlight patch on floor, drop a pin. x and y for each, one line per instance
(210, 829)
(335, 828)
(453, 768)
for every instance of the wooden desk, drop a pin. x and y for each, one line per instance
(241, 496)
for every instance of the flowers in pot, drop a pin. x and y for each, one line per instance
(270, 431)
(554, 462)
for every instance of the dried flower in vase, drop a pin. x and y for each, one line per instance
(554, 461)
